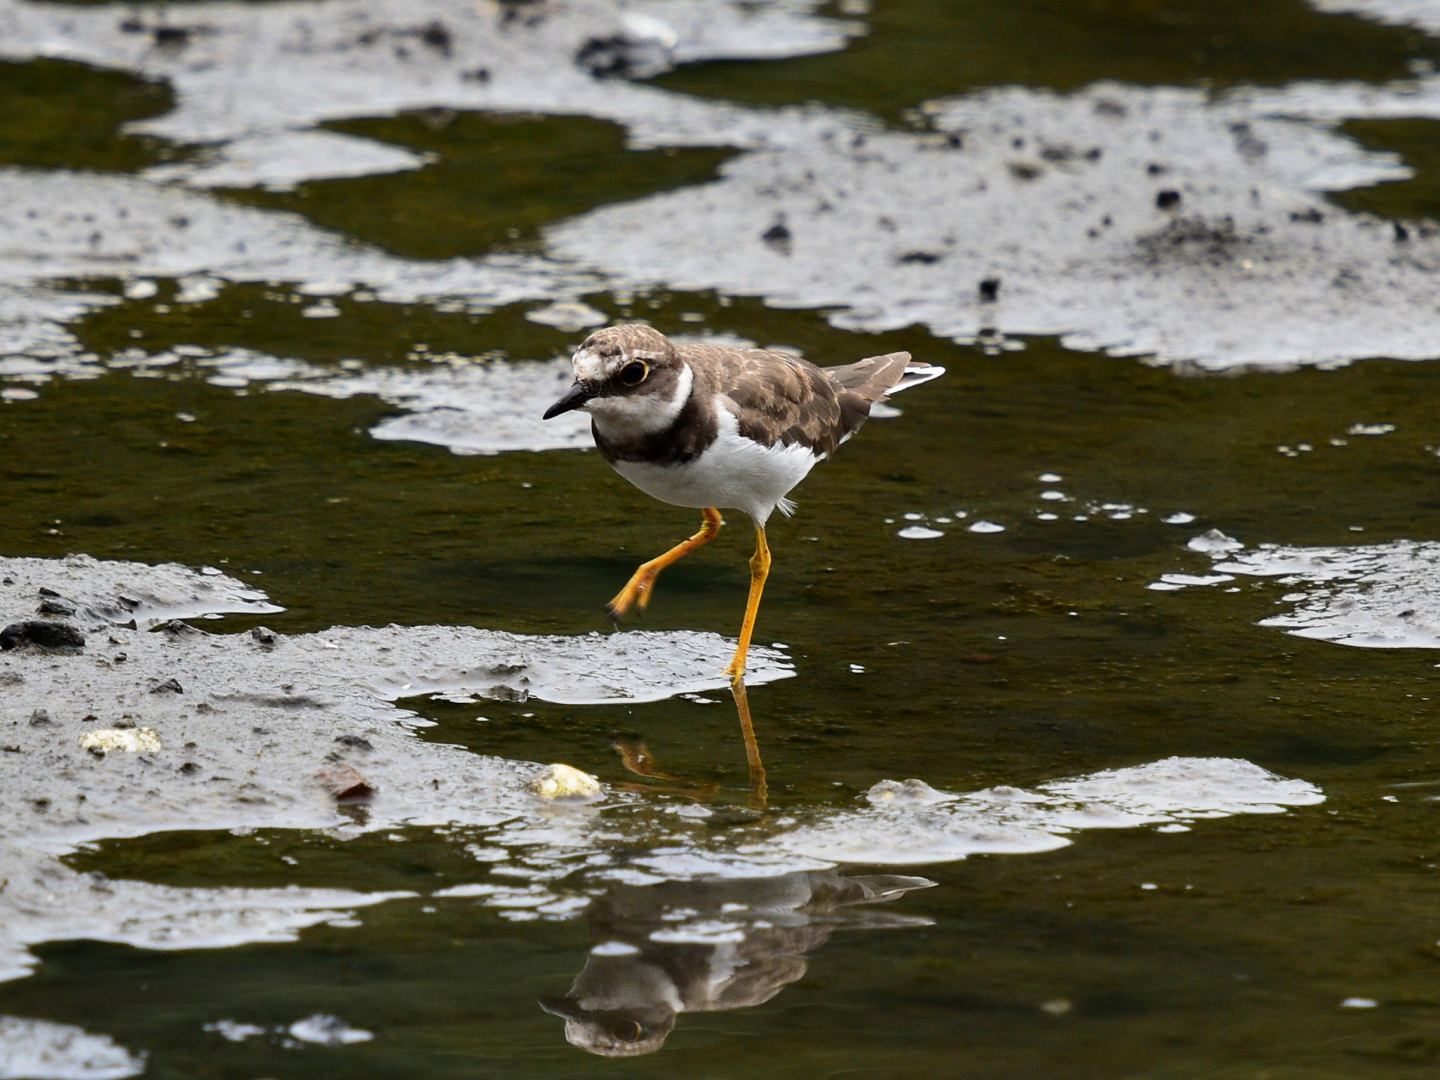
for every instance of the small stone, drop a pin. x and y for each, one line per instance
(989, 290)
(264, 636)
(169, 686)
(131, 740)
(355, 742)
(564, 782)
(345, 783)
(1167, 199)
(55, 607)
(777, 236)
(40, 718)
(189, 767)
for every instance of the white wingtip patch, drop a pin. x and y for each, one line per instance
(915, 374)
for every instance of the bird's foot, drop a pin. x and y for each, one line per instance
(735, 672)
(636, 595)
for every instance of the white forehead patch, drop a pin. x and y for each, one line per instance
(589, 366)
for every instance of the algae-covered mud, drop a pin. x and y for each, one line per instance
(1088, 731)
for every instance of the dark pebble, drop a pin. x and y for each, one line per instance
(189, 767)
(45, 635)
(1402, 234)
(169, 686)
(990, 290)
(171, 35)
(55, 607)
(263, 635)
(776, 234)
(437, 36)
(1167, 199)
(356, 742)
(47, 592)
(40, 718)
(1312, 215)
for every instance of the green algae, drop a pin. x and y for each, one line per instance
(57, 114)
(494, 180)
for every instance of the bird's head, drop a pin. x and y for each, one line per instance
(627, 375)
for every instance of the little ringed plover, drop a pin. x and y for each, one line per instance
(710, 426)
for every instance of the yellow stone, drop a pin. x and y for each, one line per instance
(564, 782)
(131, 740)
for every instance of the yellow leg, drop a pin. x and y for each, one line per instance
(759, 795)
(759, 571)
(643, 580)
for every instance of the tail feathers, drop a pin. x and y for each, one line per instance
(872, 377)
(915, 374)
(876, 376)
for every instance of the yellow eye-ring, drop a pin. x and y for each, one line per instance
(634, 373)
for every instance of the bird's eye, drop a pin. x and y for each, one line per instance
(634, 373)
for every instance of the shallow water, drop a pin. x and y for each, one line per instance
(1156, 646)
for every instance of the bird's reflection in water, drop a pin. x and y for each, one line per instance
(698, 946)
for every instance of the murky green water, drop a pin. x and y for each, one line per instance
(1010, 658)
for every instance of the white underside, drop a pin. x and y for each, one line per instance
(734, 473)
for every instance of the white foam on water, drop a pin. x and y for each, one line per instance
(231, 1031)
(41, 1050)
(470, 405)
(328, 1031)
(1419, 13)
(932, 827)
(1377, 596)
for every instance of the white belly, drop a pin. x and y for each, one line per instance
(733, 473)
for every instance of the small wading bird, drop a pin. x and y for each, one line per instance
(710, 426)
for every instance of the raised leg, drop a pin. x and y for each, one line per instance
(759, 571)
(759, 794)
(637, 589)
